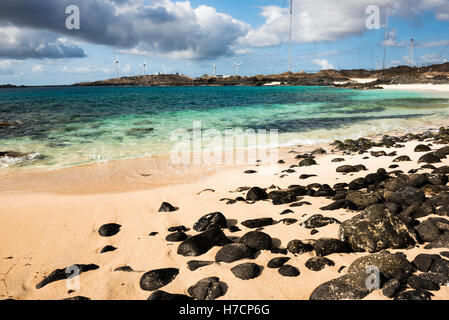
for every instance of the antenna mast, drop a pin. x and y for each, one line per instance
(410, 55)
(145, 67)
(116, 67)
(386, 33)
(290, 42)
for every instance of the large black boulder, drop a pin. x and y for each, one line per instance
(326, 246)
(358, 283)
(211, 220)
(364, 200)
(155, 279)
(258, 223)
(347, 287)
(256, 194)
(376, 228)
(278, 262)
(318, 263)
(307, 162)
(407, 196)
(414, 295)
(299, 247)
(203, 242)
(431, 157)
(233, 252)
(246, 271)
(207, 289)
(257, 240)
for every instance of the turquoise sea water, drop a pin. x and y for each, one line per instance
(69, 126)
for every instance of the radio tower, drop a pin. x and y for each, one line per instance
(290, 42)
(386, 34)
(410, 54)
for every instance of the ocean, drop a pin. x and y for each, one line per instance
(67, 126)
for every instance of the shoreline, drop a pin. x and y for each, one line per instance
(144, 173)
(434, 88)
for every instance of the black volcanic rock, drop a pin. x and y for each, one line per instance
(160, 295)
(257, 240)
(441, 242)
(423, 262)
(155, 279)
(307, 162)
(318, 221)
(203, 242)
(364, 200)
(298, 247)
(246, 271)
(108, 249)
(207, 289)
(176, 237)
(277, 262)
(422, 148)
(354, 284)
(288, 271)
(256, 194)
(195, 264)
(339, 204)
(211, 220)
(407, 196)
(429, 158)
(402, 159)
(66, 273)
(318, 263)
(349, 168)
(233, 252)
(109, 230)
(376, 228)
(327, 246)
(167, 207)
(391, 287)
(358, 184)
(428, 231)
(414, 295)
(417, 282)
(347, 287)
(389, 265)
(258, 223)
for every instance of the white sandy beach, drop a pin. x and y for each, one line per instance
(54, 227)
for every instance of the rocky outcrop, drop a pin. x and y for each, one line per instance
(376, 228)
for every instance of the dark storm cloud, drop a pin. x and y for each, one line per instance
(164, 27)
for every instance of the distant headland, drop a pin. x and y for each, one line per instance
(353, 78)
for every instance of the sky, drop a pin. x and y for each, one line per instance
(42, 44)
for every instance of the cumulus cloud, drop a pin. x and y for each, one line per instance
(330, 20)
(431, 58)
(159, 26)
(323, 63)
(38, 68)
(6, 67)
